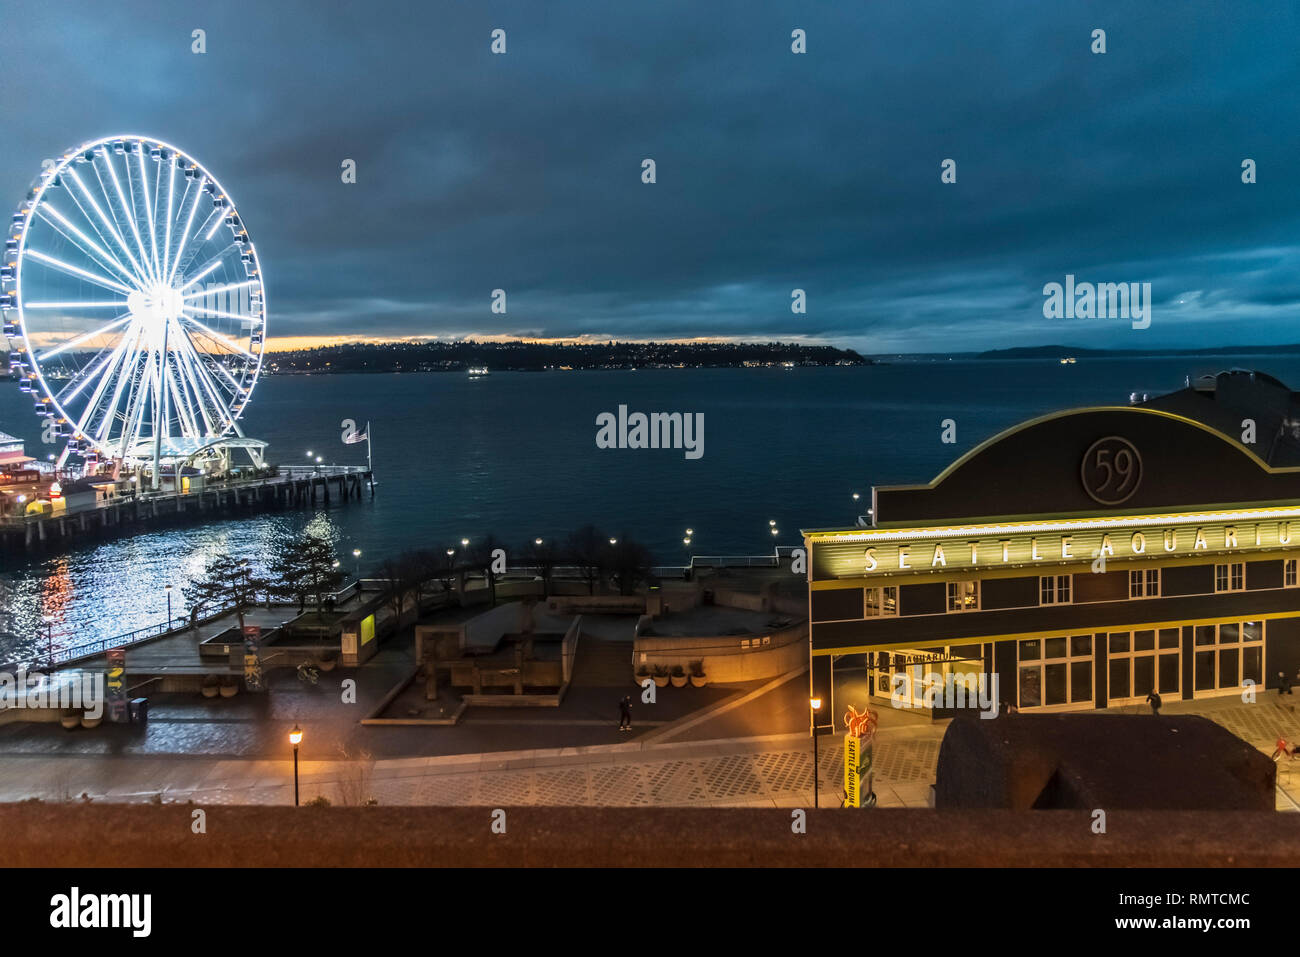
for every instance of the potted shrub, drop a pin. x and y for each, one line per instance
(70, 719)
(697, 674)
(679, 676)
(229, 689)
(88, 722)
(660, 674)
(642, 673)
(328, 661)
(210, 687)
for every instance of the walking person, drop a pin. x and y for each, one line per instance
(1283, 684)
(625, 713)
(1153, 699)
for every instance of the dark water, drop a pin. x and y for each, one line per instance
(514, 455)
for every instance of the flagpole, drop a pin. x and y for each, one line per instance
(370, 462)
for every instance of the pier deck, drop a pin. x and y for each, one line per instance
(293, 487)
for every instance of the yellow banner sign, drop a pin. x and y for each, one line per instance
(852, 782)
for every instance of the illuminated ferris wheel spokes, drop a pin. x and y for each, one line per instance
(133, 302)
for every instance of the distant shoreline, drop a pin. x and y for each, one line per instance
(464, 355)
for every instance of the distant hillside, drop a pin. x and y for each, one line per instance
(1045, 352)
(454, 356)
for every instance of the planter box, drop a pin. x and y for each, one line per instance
(661, 682)
(679, 681)
(699, 681)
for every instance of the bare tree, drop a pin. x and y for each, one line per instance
(480, 558)
(587, 549)
(225, 581)
(629, 564)
(543, 555)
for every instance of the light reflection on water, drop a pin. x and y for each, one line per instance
(118, 585)
(514, 455)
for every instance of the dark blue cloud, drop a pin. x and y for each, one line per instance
(775, 171)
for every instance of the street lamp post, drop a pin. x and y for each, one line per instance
(49, 636)
(816, 705)
(295, 736)
(168, 590)
(356, 553)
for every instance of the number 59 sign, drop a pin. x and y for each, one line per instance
(1111, 470)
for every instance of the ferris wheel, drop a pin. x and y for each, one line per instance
(133, 304)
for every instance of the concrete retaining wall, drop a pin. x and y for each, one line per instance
(727, 659)
(596, 604)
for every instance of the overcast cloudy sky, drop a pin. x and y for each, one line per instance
(820, 171)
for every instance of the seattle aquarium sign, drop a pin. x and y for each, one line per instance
(917, 551)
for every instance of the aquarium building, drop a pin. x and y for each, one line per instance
(1085, 558)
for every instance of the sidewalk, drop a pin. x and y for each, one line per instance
(751, 772)
(655, 770)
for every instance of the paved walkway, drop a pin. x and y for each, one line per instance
(763, 772)
(657, 769)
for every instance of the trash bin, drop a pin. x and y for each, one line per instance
(139, 710)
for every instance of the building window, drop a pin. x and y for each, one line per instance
(1229, 655)
(1289, 573)
(1230, 577)
(1055, 671)
(1144, 583)
(1054, 590)
(964, 596)
(1140, 662)
(882, 602)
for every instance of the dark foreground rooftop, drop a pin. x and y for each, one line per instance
(1107, 761)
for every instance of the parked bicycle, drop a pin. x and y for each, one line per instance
(308, 672)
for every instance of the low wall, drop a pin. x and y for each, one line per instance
(727, 659)
(795, 607)
(750, 601)
(596, 604)
(100, 835)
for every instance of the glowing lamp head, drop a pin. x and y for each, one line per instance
(295, 736)
(815, 703)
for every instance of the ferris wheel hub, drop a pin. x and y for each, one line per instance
(156, 304)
